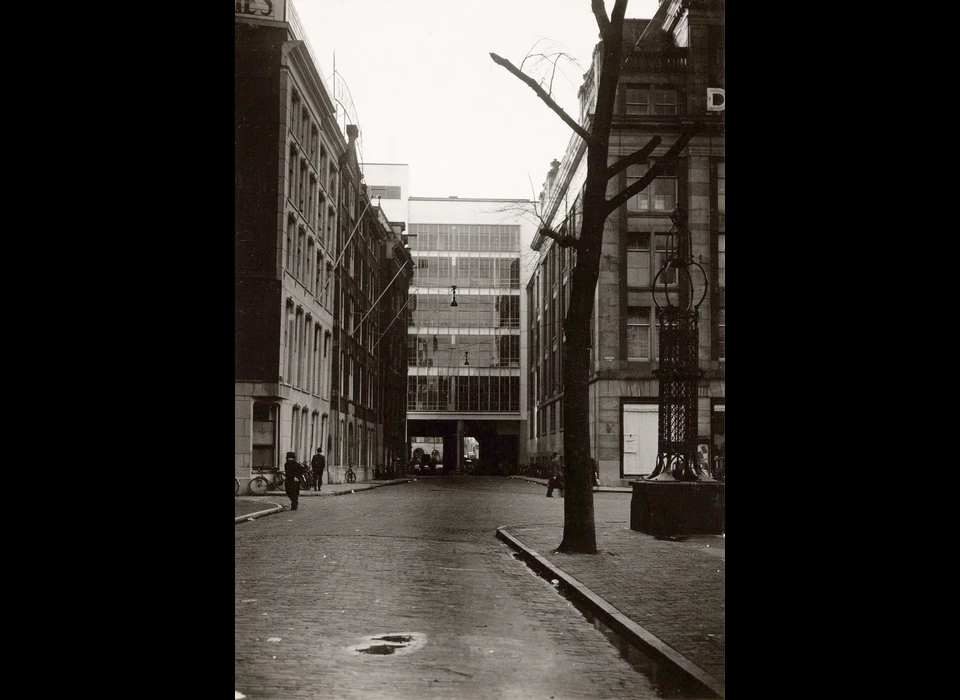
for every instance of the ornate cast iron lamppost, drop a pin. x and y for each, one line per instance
(679, 372)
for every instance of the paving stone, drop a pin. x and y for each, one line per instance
(423, 558)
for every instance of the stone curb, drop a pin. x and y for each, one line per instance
(280, 508)
(355, 488)
(600, 489)
(259, 514)
(630, 631)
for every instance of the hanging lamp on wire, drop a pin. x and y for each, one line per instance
(454, 302)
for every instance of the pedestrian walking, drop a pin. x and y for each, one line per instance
(556, 475)
(317, 465)
(291, 484)
(596, 474)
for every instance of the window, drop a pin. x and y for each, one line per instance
(384, 191)
(301, 342)
(294, 111)
(638, 260)
(291, 173)
(307, 272)
(298, 263)
(722, 196)
(670, 275)
(722, 260)
(660, 195)
(722, 330)
(301, 185)
(291, 232)
(638, 333)
(288, 335)
(642, 268)
(295, 430)
(650, 101)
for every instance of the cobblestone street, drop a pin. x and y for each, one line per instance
(418, 563)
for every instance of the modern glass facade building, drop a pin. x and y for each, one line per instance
(464, 358)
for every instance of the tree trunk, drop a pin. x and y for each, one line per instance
(579, 529)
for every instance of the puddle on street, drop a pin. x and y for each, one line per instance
(377, 649)
(390, 644)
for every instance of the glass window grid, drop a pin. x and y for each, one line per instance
(463, 393)
(464, 237)
(450, 352)
(472, 311)
(442, 272)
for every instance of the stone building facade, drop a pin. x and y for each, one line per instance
(674, 69)
(290, 204)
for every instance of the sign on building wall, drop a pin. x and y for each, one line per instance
(264, 9)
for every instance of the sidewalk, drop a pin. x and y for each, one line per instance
(663, 597)
(249, 507)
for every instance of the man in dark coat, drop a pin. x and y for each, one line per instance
(556, 475)
(291, 484)
(317, 465)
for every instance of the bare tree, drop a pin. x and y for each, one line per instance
(579, 529)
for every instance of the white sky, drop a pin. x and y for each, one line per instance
(427, 93)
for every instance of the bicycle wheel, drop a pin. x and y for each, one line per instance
(278, 479)
(236, 486)
(259, 485)
(351, 477)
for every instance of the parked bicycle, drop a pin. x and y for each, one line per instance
(305, 477)
(260, 484)
(349, 475)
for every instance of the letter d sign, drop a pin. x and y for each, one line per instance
(716, 99)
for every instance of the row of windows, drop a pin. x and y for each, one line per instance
(306, 263)
(472, 311)
(650, 101)
(317, 207)
(464, 237)
(357, 380)
(355, 445)
(463, 393)
(304, 363)
(549, 419)
(502, 273)
(306, 436)
(384, 191)
(463, 351)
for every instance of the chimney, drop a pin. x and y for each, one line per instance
(552, 175)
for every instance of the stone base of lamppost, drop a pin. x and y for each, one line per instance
(671, 508)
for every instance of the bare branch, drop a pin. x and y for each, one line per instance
(616, 16)
(634, 158)
(654, 170)
(562, 240)
(600, 12)
(584, 134)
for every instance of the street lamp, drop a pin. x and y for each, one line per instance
(679, 373)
